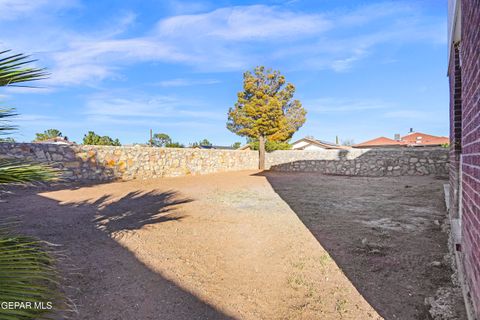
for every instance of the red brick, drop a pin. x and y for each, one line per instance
(465, 137)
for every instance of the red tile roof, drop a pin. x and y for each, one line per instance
(411, 139)
(380, 141)
(424, 139)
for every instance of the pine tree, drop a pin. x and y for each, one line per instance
(265, 109)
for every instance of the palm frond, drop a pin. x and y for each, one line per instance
(27, 272)
(13, 70)
(5, 125)
(28, 276)
(15, 171)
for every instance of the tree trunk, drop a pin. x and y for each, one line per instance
(261, 153)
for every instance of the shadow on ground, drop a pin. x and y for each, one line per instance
(381, 232)
(98, 270)
(134, 210)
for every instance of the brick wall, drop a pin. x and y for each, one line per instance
(470, 68)
(455, 128)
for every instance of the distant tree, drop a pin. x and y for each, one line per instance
(236, 145)
(8, 139)
(161, 140)
(174, 145)
(271, 145)
(348, 142)
(265, 109)
(91, 138)
(48, 134)
(203, 142)
(164, 140)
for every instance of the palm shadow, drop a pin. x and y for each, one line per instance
(135, 210)
(104, 279)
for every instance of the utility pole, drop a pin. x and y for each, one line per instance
(336, 139)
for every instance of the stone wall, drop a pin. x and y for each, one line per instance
(101, 163)
(363, 162)
(82, 163)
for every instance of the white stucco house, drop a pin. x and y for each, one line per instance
(314, 144)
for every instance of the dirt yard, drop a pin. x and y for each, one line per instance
(245, 245)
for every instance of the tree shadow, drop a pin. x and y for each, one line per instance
(134, 210)
(104, 279)
(360, 222)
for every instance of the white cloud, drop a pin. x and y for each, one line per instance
(335, 105)
(34, 118)
(189, 125)
(187, 7)
(30, 90)
(341, 65)
(14, 9)
(367, 13)
(91, 59)
(252, 23)
(121, 107)
(224, 39)
(182, 82)
(410, 114)
(147, 107)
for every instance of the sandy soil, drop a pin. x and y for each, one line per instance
(244, 245)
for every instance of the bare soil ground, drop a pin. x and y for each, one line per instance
(244, 245)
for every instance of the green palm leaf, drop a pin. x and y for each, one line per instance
(28, 276)
(5, 114)
(13, 69)
(15, 171)
(27, 269)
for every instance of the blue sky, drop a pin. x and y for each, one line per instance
(362, 69)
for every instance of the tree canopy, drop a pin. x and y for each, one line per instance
(271, 145)
(164, 140)
(91, 138)
(265, 109)
(203, 142)
(236, 145)
(174, 145)
(161, 140)
(48, 134)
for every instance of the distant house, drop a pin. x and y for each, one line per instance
(380, 142)
(245, 147)
(422, 139)
(314, 144)
(413, 139)
(57, 140)
(214, 147)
